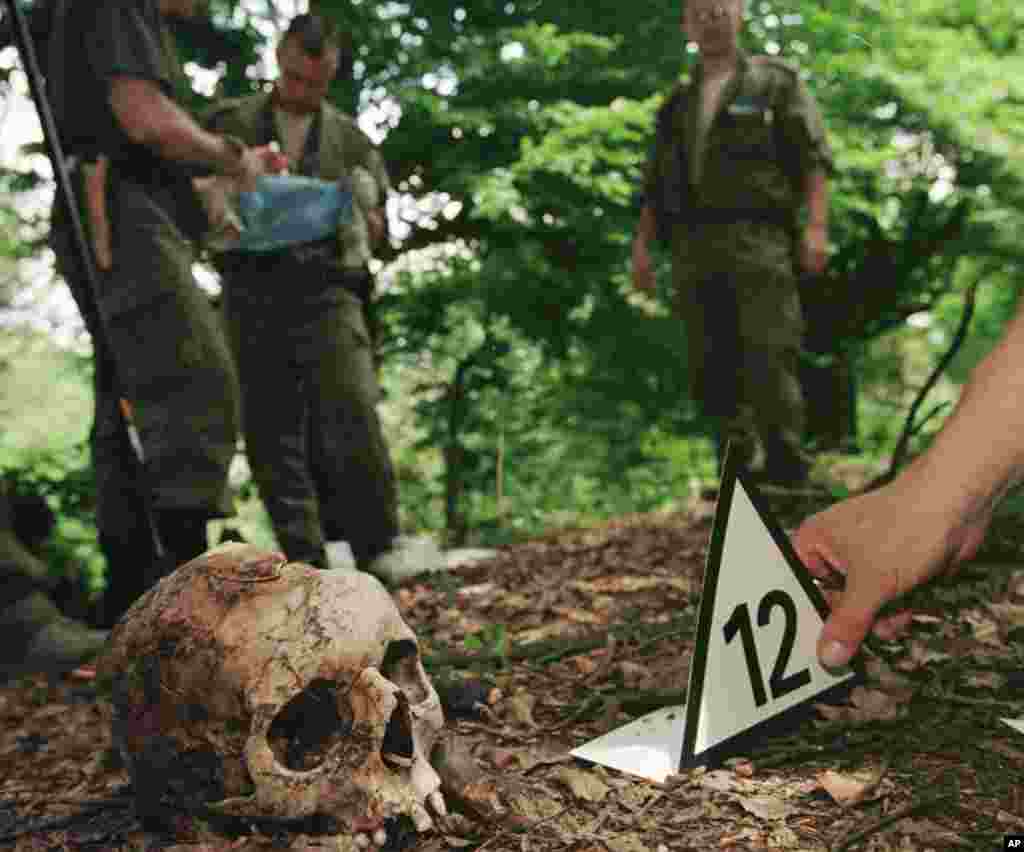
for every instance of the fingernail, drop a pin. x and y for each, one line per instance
(835, 654)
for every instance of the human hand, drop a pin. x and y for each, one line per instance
(814, 249)
(252, 164)
(643, 274)
(274, 162)
(885, 542)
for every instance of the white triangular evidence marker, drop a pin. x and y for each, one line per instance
(649, 746)
(755, 652)
(1016, 724)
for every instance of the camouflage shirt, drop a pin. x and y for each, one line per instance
(334, 148)
(764, 138)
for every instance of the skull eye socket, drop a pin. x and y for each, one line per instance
(309, 726)
(401, 666)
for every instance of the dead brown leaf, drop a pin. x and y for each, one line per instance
(766, 808)
(984, 628)
(539, 634)
(626, 584)
(1015, 588)
(578, 616)
(851, 788)
(930, 832)
(868, 705)
(512, 602)
(582, 784)
(633, 675)
(521, 706)
(984, 680)
(721, 781)
(627, 843)
(1009, 615)
(920, 655)
(584, 665)
(882, 676)
(1013, 754)
(477, 592)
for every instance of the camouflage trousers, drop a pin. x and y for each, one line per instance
(309, 396)
(158, 343)
(736, 293)
(166, 344)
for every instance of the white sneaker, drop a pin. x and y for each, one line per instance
(339, 556)
(409, 556)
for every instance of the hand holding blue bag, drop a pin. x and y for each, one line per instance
(282, 211)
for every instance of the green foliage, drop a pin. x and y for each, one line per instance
(516, 358)
(65, 481)
(493, 640)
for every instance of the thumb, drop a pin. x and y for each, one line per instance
(850, 621)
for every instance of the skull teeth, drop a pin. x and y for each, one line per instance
(421, 819)
(364, 840)
(437, 805)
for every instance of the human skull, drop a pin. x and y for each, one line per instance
(266, 688)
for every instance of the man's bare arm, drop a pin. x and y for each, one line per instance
(814, 250)
(643, 276)
(816, 198)
(645, 229)
(152, 119)
(932, 516)
(979, 454)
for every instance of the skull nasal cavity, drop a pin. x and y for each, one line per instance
(398, 734)
(308, 727)
(401, 666)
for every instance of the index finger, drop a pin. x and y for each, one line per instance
(814, 551)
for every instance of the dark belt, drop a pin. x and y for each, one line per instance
(732, 215)
(307, 268)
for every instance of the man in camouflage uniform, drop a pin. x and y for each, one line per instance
(112, 79)
(305, 358)
(739, 149)
(34, 636)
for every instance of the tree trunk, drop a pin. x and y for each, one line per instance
(454, 455)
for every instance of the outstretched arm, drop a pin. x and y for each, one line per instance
(643, 275)
(152, 119)
(815, 245)
(931, 517)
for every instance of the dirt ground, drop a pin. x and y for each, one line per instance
(578, 633)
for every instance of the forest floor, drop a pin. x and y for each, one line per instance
(580, 632)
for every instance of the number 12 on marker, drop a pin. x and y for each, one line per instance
(780, 683)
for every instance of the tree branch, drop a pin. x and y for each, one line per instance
(909, 428)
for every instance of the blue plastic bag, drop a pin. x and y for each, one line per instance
(287, 210)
